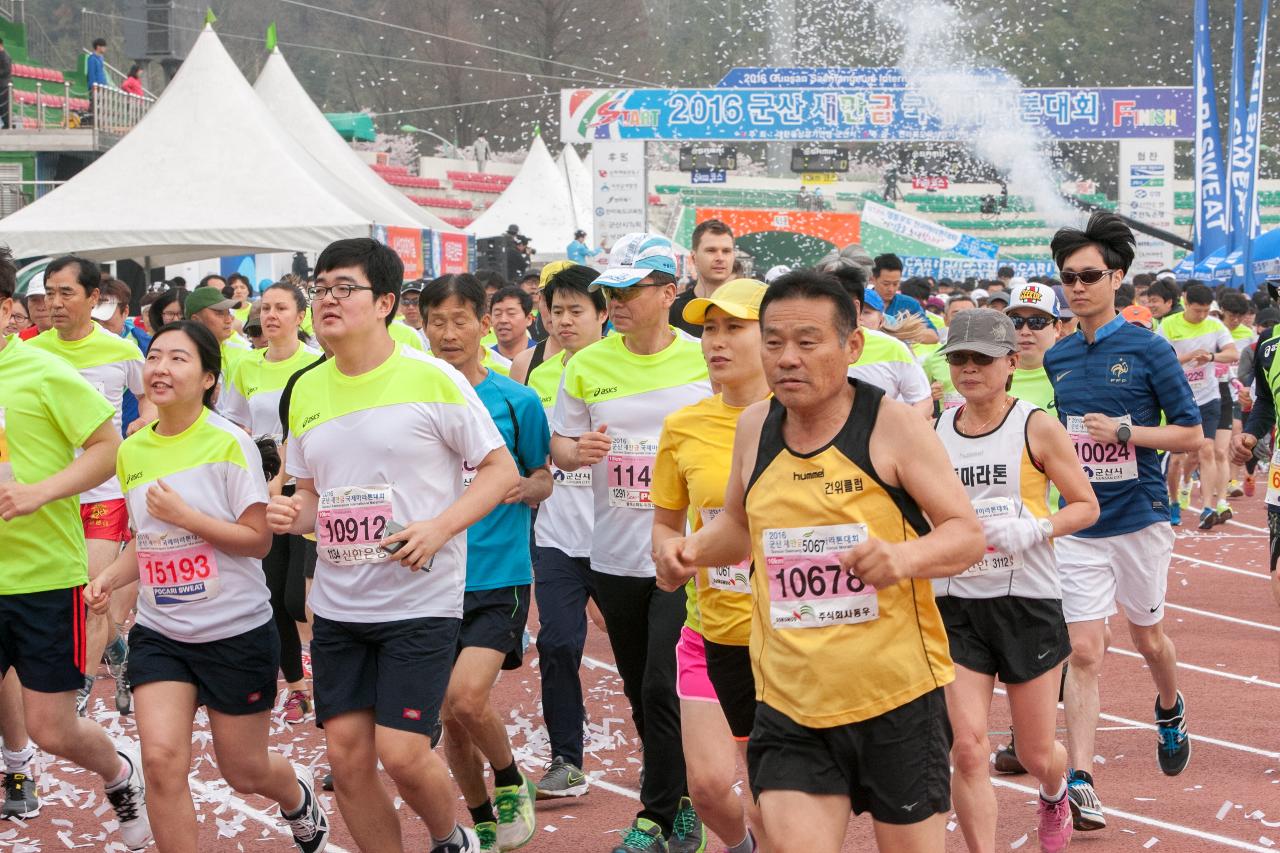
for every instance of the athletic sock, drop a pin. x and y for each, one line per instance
(1061, 792)
(507, 777)
(125, 772)
(483, 813)
(456, 838)
(746, 845)
(16, 761)
(300, 810)
(1163, 713)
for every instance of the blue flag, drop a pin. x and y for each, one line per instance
(1236, 177)
(1211, 222)
(1243, 277)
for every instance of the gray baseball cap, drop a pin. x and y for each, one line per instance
(981, 330)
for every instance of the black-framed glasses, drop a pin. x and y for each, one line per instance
(626, 294)
(338, 291)
(1087, 276)
(1036, 323)
(961, 358)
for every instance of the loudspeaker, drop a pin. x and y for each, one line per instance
(500, 253)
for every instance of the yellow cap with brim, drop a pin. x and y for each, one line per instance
(738, 298)
(548, 272)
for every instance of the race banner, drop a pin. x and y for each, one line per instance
(1246, 224)
(873, 114)
(931, 233)
(1211, 224)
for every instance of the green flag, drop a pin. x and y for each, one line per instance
(209, 17)
(271, 36)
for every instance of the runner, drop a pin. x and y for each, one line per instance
(608, 417)
(842, 558)
(716, 689)
(204, 636)
(385, 632)
(935, 366)
(37, 309)
(563, 583)
(713, 254)
(410, 294)
(251, 399)
(208, 307)
(1237, 316)
(112, 366)
(47, 412)
(512, 312)
(1004, 613)
(1113, 381)
(499, 573)
(1201, 343)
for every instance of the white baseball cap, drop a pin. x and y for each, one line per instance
(1036, 296)
(634, 257)
(35, 287)
(104, 310)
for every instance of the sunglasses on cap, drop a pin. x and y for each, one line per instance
(1087, 276)
(961, 358)
(1036, 323)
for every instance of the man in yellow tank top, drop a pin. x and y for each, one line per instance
(848, 649)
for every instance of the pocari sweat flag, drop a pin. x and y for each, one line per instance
(1211, 222)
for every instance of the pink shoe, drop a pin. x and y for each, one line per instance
(1055, 824)
(296, 707)
(306, 663)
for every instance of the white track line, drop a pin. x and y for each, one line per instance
(1247, 679)
(1150, 821)
(1263, 576)
(1225, 618)
(254, 814)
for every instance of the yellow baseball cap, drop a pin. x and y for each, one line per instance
(739, 298)
(548, 272)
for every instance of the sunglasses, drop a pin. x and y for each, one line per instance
(1087, 276)
(1036, 324)
(626, 294)
(960, 359)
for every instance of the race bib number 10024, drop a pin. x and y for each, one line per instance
(1103, 461)
(807, 586)
(350, 522)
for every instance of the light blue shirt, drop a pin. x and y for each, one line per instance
(96, 71)
(579, 253)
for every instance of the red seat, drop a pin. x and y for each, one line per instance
(458, 221)
(476, 187)
(433, 201)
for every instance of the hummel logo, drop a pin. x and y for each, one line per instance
(1058, 378)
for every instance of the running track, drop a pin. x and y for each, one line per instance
(1221, 615)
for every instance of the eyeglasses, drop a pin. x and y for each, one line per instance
(1036, 323)
(338, 291)
(626, 294)
(1087, 276)
(960, 359)
(409, 301)
(171, 316)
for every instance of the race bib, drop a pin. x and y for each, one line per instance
(1273, 479)
(468, 474)
(1222, 372)
(350, 522)
(577, 479)
(176, 567)
(807, 587)
(1199, 377)
(727, 578)
(1103, 462)
(993, 560)
(952, 400)
(629, 467)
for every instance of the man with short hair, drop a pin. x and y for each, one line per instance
(58, 441)
(843, 553)
(95, 65)
(1113, 382)
(713, 259)
(1162, 298)
(511, 310)
(608, 417)
(886, 278)
(578, 251)
(208, 307)
(391, 557)
(411, 311)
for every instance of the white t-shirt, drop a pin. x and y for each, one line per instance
(887, 363)
(388, 444)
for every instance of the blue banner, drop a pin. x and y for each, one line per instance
(1212, 227)
(872, 114)
(1245, 124)
(958, 269)
(708, 176)
(829, 78)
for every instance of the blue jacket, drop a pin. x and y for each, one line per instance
(96, 71)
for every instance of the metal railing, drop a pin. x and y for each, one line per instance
(116, 111)
(14, 10)
(18, 110)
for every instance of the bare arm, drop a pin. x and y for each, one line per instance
(570, 454)
(89, 469)
(1171, 437)
(519, 371)
(1052, 447)
(533, 489)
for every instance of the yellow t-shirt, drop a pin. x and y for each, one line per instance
(691, 471)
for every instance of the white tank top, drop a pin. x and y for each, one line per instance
(1002, 480)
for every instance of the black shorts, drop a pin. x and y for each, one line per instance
(1226, 407)
(896, 766)
(1013, 638)
(495, 619)
(1273, 528)
(42, 637)
(1210, 415)
(232, 676)
(729, 668)
(398, 669)
(308, 556)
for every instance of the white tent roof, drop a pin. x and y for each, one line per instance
(207, 172)
(537, 200)
(356, 183)
(579, 180)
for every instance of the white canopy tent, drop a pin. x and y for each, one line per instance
(346, 174)
(578, 180)
(207, 172)
(537, 200)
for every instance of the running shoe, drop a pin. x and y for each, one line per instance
(1007, 759)
(1249, 487)
(1086, 808)
(688, 835)
(516, 821)
(1054, 824)
(20, 797)
(1224, 513)
(643, 836)
(82, 696)
(470, 843)
(1234, 490)
(117, 656)
(1175, 515)
(306, 663)
(562, 779)
(1173, 744)
(1208, 518)
(487, 832)
(311, 827)
(129, 800)
(1184, 496)
(297, 707)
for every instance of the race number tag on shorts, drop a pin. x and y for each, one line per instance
(1199, 377)
(350, 522)
(993, 560)
(176, 567)
(807, 587)
(727, 578)
(1103, 462)
(1273, 479)
(952, 399)
(578, 479)
(629, 467)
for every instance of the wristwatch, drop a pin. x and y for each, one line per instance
(1123, 433)
(1046, 527)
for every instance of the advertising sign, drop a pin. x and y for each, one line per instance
(924, 231)
(1146, 194)
(618, 189)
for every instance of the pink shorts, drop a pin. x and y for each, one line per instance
(692, 683)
